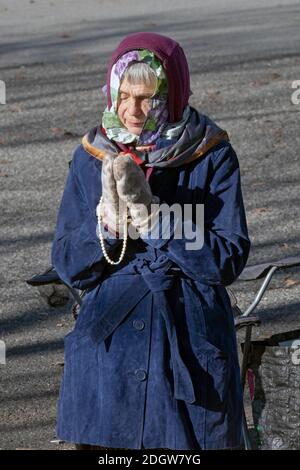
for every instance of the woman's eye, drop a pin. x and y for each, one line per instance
(140, 99)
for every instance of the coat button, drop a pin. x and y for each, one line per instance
(140, 375)
(139, 324)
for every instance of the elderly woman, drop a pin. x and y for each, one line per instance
(152, 360)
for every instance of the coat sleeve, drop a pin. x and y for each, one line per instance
(225, 244)
(76, 252)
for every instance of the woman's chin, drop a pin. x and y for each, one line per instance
(135, 130)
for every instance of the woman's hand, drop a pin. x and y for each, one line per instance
(132, 186)
(134, 190)
(112, 209)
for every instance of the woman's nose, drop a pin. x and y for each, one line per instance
(134, 107)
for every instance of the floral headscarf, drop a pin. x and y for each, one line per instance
(157, 116)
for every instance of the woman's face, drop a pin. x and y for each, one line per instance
(134, 104)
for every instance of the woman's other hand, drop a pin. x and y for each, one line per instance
(112, 210)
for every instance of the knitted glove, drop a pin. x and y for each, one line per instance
(135, 191)
(112, 210)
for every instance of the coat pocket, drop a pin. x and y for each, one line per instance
(211, 370)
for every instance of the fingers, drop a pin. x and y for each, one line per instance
(123, 178)
(123, 164)
(131, 183)
(107, 164)
(109, 189)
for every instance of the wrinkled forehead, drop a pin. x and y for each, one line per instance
(137, 87)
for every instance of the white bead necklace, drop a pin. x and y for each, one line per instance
(101, 238)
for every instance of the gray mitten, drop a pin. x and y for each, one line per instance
(134, 190)
(112, 210)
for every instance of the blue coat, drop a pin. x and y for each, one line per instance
(152, 360)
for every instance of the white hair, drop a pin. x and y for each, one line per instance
(139, 72)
